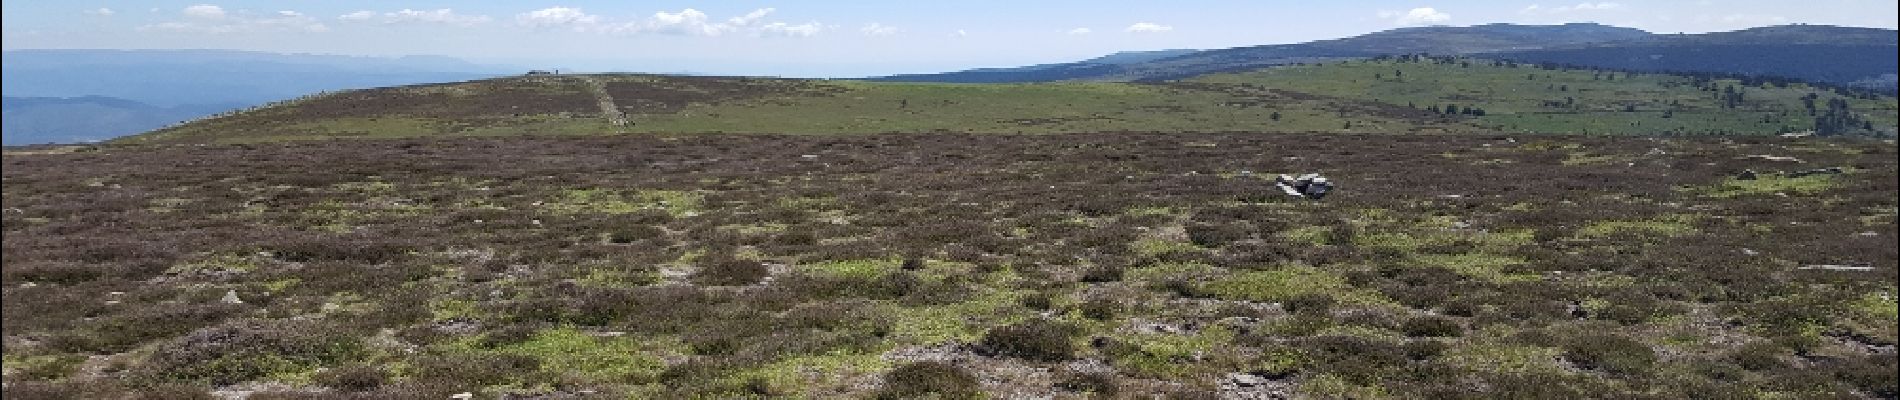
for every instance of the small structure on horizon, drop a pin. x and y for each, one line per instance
(544, 72)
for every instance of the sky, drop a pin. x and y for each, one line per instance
(826, 38)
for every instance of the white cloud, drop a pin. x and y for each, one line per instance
(204, 11)
(206, 18)
(960, 33)
(438, 16)
(687, 22)
(358, 16)
(556, 17)
(1081, 31)
(808, 29)
(1579, 7)
(1743, 20)
(1417, 16)
(692, 22)
(877, 29)
(101, 11)
(1148, 27)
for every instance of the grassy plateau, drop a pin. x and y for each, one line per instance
(1499, 230)
(952, 265)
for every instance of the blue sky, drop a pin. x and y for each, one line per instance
(826, 38)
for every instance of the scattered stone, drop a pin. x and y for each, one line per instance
(1751, 252)
(462, 396)
(1839, 267)
(1816, 171)
(231, 297)
(1251, 386)
(1308, 186)
(1765, 157)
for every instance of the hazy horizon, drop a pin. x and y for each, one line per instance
(823, 38)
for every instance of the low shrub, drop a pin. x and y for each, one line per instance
(929, 379)
(1609, 352)
(1036, 339)
(1101, 385)
(1432, 326)
(249, 349)
(1099, 309)
(730, 273)
(1102, 273)
(352, 378)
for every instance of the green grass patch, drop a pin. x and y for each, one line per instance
(813, 376)
(1276, 285)
(1167, 356)
(1667, 226)
(609, 201)
(1154, 247)
(567, 350)
(861, 269)
(1488, 267)
(1773, 184)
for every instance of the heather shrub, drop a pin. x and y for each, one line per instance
(1035, 339)
(1102, 273)
(929, 379)
(729, 273)
(1099, 309)
(1094, 383)
(1431, 326)
(1609, 352)
(352, 378)
(249, 349)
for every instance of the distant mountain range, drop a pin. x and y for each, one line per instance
(1827, 54)
(68, 95)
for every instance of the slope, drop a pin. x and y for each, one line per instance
(1435, 40)
(1379, 95)
(1817, 53)
(1864, 57)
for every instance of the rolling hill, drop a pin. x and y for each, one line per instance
(1387, 95)
(1864, 57)
(1852, 55)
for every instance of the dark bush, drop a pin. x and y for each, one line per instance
(1216, 235)
(1609, 352)
(475, 370)
(730, 273)
(1759, 356)
(1099, 309)
(1102, 273)
(1432, 326)
(634, 233)
(930, 379)
(1357, 359)
(1037, 301)
(1036, 339)
(1310, 304)
(243, 350)
(1423, 349)
(352, 378)
(1101, 385)
(123, 331)
(1874, 374)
